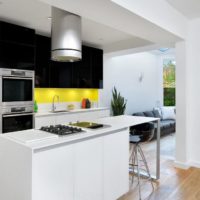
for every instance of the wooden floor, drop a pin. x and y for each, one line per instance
(174, 184)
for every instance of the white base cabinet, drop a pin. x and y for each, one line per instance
(88, 182)
(116, 158)
(92, 169)
(53, 174)
(88, 169)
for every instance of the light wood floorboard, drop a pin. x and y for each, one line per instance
(174, 184)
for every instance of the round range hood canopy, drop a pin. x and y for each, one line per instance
(66, 36)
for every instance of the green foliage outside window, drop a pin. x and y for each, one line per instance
(169, 82)
(169, 96)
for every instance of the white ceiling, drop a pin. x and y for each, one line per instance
(104, 24)
(34, 14)
(117, 17)
(189, 8)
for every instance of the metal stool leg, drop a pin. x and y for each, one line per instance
(146, 165)
(138, 169)
(135, 155)
(132, 162)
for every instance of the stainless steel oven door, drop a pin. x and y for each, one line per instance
(16, 91)
(17, 122)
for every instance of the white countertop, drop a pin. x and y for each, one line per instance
(47, 113)
(36, 139)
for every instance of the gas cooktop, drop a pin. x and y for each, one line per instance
(61, 130)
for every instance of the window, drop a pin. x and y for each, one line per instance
(169, 82)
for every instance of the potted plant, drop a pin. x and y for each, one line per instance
(118, 103)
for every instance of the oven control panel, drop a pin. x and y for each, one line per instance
(18, 109)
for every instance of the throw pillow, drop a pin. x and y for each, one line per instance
(159, 111)
(168, 113)
(156, 114)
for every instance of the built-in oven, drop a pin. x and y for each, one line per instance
(16, 119)
(16, 87)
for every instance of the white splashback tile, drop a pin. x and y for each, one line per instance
(44, 107)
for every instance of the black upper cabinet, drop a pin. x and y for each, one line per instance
(88, 73)
(17, 47)
(49, 73)
(21, 48)
(97, 68)
(16, 56)
(16, 34)
(61, 74)
(42, 61)
(82, 74)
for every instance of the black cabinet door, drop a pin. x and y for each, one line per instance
(82, 71)
(97, 68)
(16, 34)
(17, 47)
(61, 74)
(88, 73)
(16, 56)
(42, 64)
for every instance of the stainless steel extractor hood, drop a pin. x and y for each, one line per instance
(66, 36)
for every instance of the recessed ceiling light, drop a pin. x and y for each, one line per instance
(49, 18)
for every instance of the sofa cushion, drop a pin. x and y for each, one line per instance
(165, 124)
(149, 114)
(139, 114)
(171, 122)
(168, 113)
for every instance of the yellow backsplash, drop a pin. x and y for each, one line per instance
(45, 95)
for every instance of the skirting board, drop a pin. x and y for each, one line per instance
(194, 164)
(181, 165)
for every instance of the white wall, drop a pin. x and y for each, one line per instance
(188, 98)
(181, 106)
(124, 72)
(193, 92)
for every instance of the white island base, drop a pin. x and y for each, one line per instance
(89, 168)
(94, 165)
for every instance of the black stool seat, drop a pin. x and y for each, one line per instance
(144, 133)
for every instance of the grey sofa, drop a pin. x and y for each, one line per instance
(167, 126)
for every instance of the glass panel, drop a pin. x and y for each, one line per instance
(17, 90)
(17, 123)
(169, 82)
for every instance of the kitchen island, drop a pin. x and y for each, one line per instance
(89, 165)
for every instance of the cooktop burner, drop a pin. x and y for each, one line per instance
(61, 129)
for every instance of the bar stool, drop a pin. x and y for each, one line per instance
(140, 134)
